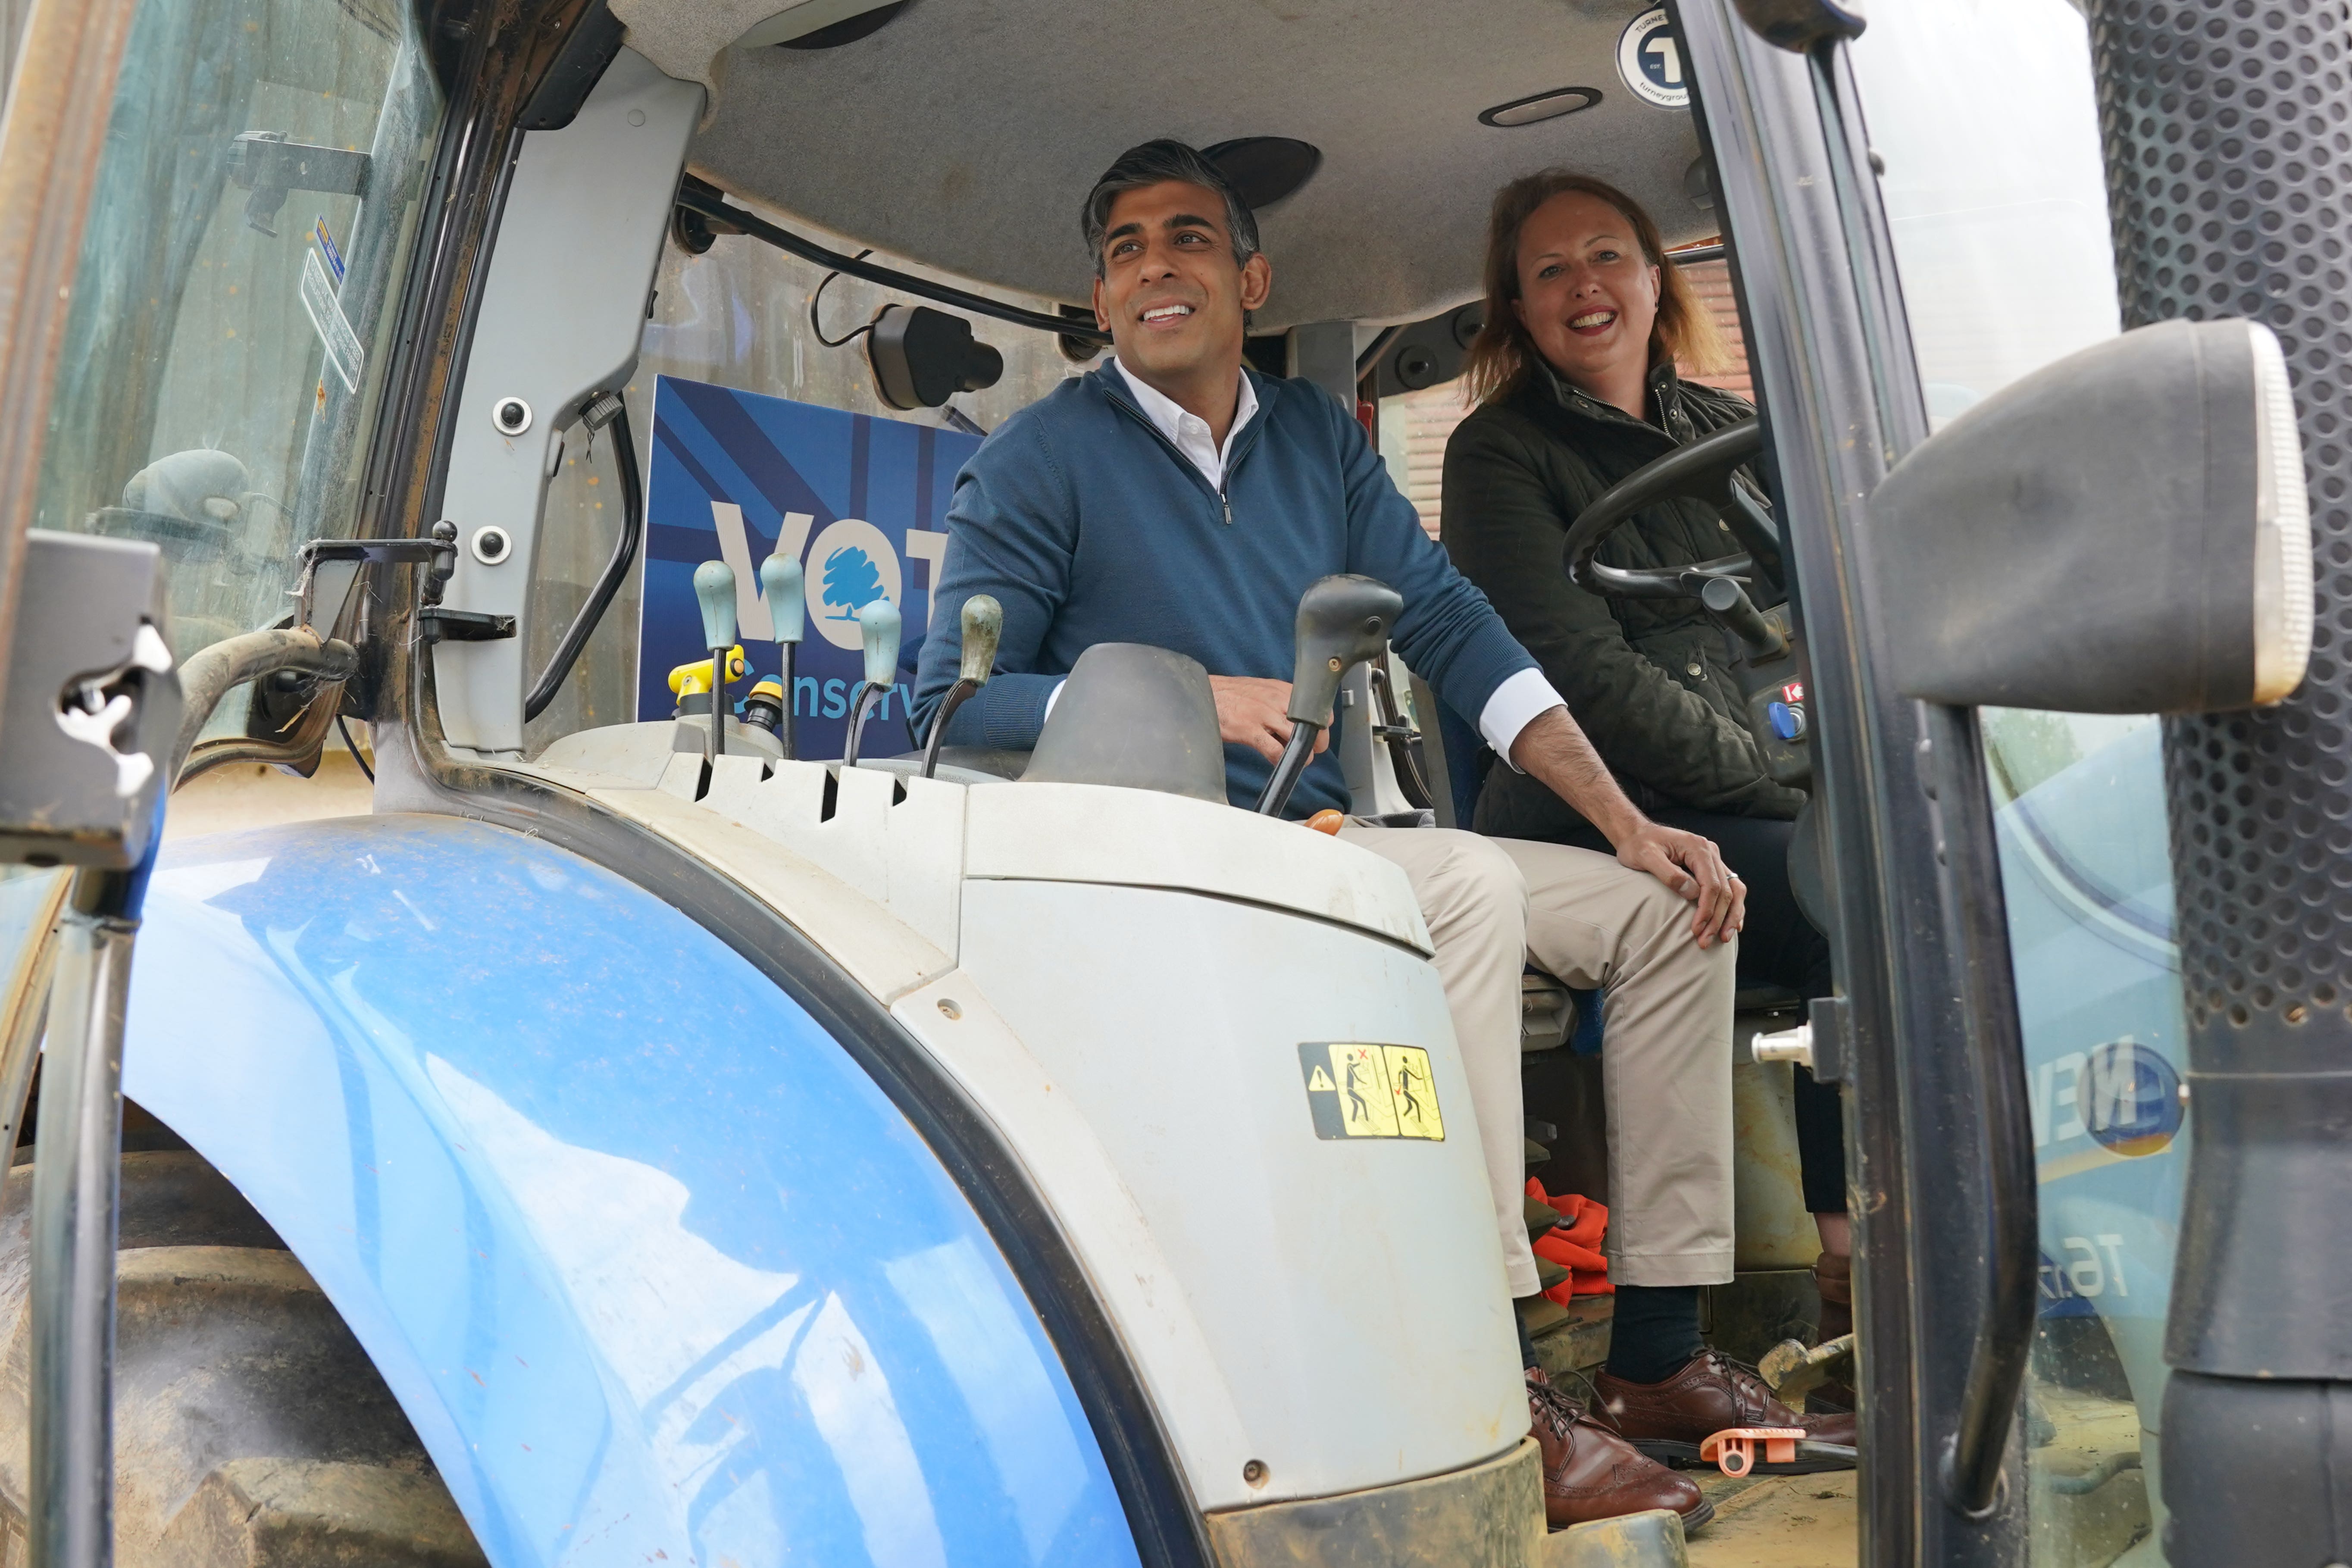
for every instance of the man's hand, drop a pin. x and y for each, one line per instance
(1255, 712)
(1552, 748)
(1693, 866)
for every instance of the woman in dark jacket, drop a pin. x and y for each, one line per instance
(1574, 374)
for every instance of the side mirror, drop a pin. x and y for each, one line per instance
(2124, 531)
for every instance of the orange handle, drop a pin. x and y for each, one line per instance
(1326, 820)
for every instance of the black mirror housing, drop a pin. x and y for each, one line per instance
(2124, 531)
(922, 357)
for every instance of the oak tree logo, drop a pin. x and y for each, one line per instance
(851, 580)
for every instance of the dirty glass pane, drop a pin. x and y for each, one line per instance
(737, 315)
(1984, 114)
(232, 313)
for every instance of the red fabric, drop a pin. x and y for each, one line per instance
(1574, 1245)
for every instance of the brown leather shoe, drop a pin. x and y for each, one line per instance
(1590, 1474)
(1669, 1420)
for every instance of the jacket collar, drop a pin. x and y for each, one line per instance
(1550, 391)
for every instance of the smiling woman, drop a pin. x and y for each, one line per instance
(1583, 269)
(1575, 368)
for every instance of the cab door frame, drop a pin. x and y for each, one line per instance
(1923, 1031)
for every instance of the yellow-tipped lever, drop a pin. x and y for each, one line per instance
(694, 679)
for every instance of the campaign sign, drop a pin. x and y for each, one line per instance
(860, 502)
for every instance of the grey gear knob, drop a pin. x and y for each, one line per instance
(877, 627)
(984, 624)
(1343, 620)
(714, 589)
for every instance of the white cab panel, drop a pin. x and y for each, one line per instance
(1143, 838)
(1351, 1289)
(562, 314)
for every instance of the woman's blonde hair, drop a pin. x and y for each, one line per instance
(1501, 355)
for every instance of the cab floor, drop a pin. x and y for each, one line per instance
(1776, 1522)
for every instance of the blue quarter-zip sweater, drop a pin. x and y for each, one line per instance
(1088, 526)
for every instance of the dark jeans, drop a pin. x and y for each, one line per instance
(1778, 946)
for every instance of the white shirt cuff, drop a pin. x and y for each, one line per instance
(1514, 704)
(1051, 698)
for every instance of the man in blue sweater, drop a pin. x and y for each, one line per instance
(1170, 496)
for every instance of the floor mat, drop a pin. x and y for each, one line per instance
(1776, 1522)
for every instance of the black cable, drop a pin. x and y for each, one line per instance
(848, 337)
(345, 731)
(709, 202)
(632, 526)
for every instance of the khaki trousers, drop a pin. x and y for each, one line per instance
(1493, 906)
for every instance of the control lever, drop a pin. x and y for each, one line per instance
(1728, 603)
(782, 583)
(714, 586)
(984, 624)
(878, 622)
(1344, 620)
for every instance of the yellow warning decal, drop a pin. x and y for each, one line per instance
(1358, 1090)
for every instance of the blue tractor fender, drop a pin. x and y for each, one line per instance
(655, 1270)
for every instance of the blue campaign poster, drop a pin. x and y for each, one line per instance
(862, 503)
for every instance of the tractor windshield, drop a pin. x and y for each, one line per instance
(232, 313)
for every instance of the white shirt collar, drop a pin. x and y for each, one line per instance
(1189, 431)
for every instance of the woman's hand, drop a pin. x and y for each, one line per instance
(1255, 712)
(1693, 866)
(1554, 750)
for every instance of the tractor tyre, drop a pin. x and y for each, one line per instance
(250, 1429)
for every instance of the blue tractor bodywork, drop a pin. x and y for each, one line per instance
(2088, 888)
(655, 1269)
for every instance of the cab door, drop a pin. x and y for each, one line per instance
(1920, 215)
(2055, 1303)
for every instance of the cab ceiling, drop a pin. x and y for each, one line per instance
(966, 132)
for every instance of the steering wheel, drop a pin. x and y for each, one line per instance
(1705, 469)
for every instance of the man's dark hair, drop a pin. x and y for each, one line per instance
(1154, 163)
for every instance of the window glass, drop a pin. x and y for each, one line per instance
(232, 317)
(737, 315)
(1984, 114)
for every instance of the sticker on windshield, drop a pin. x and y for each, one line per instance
(343, 351)
(333, 253)
(1371, 1091)
(1650, 59)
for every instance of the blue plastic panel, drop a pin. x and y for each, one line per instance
(658, 1272)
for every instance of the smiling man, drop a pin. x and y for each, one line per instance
(1172, 498)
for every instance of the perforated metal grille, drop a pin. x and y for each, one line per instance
(2230, 175)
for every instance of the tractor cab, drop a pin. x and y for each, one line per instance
(692, 1114)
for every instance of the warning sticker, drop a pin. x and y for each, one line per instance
(1370, 1091)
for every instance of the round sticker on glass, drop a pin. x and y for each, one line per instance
(1650, 59)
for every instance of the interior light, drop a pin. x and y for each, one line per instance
(1539, 107)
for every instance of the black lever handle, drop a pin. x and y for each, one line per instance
(1344, 620)
(1729, 604)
